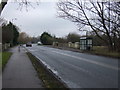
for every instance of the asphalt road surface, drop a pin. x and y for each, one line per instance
(79, 70)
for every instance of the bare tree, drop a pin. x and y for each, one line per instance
(98, 16)
(22, 3)
(73, 37)
(115, 23)
(24, 38)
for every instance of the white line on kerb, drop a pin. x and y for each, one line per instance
(90, 61)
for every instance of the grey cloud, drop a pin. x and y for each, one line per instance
(42, 18)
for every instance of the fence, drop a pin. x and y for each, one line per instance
(5, 46)
(69, 44)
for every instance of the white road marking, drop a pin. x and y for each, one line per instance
(90, 61)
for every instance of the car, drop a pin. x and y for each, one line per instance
(39, 43)
(29, 44)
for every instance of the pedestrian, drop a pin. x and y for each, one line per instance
(19, 48)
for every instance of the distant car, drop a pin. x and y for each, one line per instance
(39, 43)
(29, 44)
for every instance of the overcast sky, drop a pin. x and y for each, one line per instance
(42, 18)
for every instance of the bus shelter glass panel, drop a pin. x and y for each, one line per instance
(85, 43)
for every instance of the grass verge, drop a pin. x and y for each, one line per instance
(48, 79)
(99, 50)
(5, 58)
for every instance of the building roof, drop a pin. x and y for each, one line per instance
(86, 38)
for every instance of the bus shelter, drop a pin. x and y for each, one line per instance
(86, 43)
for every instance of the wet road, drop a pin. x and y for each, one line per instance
(79, 70)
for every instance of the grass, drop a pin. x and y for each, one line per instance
(5, 58)
(0, 60)
(101, 50)
(97, 50)
(48, 79)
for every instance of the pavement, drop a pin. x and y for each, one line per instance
(19, 72)
(79, 70)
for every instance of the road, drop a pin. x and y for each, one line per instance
(79, 70)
